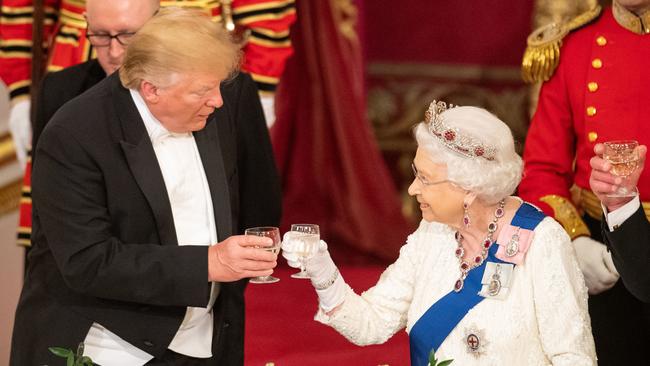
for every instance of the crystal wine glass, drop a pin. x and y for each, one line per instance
(305, 239)
(274, 234)
(624, 157)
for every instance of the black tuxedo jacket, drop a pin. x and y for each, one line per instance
(58, 88)
(630, 246)
(104, 243)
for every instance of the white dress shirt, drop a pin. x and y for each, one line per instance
(617, 217)
(191, 203)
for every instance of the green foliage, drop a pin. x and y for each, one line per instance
(71, 358)
(434, 362)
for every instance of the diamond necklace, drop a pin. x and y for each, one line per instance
(465, 267)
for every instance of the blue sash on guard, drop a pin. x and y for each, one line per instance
(442, 317)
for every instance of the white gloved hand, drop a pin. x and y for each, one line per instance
(609, 263)
(322, 271)
(289, 250)
(596, 264)
(20, 128)
(268, 105)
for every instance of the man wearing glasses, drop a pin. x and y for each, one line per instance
(262, 24)
(111, 24)
(141, 184)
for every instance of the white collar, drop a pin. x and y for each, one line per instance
(157, 132)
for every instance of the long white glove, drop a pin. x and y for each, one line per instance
(21, 129)
(324, 275)
(596, 264)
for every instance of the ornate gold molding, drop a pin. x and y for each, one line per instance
(345, 16)
(447, 71)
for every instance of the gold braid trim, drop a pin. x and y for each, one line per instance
(7, 149)
(543, 52)
(10, 196)
(567, 215)
(72, 19)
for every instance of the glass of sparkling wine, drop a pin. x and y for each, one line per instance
(269, 232)
(305, 239)
(624, 157)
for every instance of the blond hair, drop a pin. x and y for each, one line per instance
(177, 41)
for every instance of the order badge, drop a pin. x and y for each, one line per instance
(496, 280)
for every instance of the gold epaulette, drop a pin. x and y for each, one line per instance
(567, 215)
(542, 54)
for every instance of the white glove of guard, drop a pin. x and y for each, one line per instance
(20, 128)
(268, 105)
(324, 275)
(596, 264)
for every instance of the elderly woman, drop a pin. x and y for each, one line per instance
(486, 279)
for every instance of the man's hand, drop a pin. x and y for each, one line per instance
(596, 264)
(240, 257)
(603, 182)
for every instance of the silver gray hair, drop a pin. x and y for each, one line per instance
(489, 180)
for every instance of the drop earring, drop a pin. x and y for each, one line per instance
(466, 220)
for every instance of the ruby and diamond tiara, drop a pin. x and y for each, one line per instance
(454, 138)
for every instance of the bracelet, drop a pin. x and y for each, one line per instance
(326, 284)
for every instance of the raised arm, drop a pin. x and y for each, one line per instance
(378, 313)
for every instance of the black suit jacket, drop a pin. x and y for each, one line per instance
(58, 88)
(104, 243)
(630, 247)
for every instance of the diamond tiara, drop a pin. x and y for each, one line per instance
(454, 138)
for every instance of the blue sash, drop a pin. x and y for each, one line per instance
(442, 317)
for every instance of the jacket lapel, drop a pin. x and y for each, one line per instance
(207, 141)
(142, 161)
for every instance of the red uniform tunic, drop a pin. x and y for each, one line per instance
(599, 92)
(265, 51)
(16, 19)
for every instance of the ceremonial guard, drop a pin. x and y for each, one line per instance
(262, 27)
(596, 76)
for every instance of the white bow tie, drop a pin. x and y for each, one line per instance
(161, 135)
